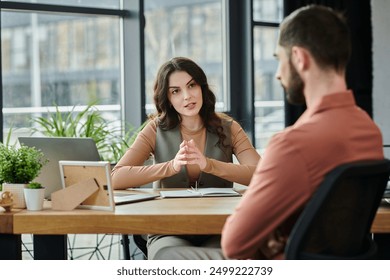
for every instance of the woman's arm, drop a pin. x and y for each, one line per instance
(247, 157)
(130, 171)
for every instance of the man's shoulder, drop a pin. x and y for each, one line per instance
(286, 133)
(294, 137)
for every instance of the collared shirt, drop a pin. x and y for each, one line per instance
(332, 132)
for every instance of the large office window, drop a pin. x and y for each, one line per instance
(194, 29)
(62, 59)
(69, 58)
(269, 100)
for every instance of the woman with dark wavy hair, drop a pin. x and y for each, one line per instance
(191, 145)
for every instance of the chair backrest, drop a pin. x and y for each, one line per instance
(336, 222)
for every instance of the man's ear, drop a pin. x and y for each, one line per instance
(300, 58)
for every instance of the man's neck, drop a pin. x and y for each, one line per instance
(323, 84)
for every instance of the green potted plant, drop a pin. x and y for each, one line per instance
(89, 122)
(19, 167)
(34, 195)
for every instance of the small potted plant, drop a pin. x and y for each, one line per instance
(34, 194)
(19, 167)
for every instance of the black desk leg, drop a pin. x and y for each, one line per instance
(10, 247)
(126, 246)
(50, 247)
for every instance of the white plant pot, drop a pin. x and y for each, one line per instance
(17, 194)
(34, 198)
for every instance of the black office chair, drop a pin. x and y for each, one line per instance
(140, 243)
(336, 222)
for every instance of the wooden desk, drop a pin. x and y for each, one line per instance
(381, 222)
(160, 216)
(6, 222)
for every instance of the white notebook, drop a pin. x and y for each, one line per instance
(201, 192)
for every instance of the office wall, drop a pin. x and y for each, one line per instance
(381, 68)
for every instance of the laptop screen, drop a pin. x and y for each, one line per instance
(56, 149)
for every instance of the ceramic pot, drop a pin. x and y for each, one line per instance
(34, 198)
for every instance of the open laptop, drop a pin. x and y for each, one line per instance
(77, 172)
(56, 149)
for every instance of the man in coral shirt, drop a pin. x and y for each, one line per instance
(313, 51)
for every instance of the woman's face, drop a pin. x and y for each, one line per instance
(184, 94)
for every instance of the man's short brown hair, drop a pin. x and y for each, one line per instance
(322, 31)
